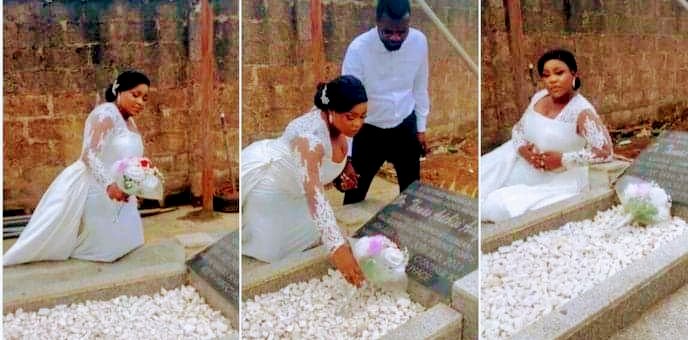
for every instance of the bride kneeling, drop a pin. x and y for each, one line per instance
(284, 210)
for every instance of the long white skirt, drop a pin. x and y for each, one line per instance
(275, 219)
(75, 218)
(510, 186)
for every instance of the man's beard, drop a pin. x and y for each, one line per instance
(392, 46)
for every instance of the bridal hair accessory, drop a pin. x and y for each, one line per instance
(114, 87)
(323, 96)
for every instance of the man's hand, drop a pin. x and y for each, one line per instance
(423, 143)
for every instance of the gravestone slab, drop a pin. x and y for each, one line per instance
(439, 229)
(666, 163)
(218, 265)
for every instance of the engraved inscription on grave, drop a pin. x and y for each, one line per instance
(219, 266)
(440, 230)
(666, 162)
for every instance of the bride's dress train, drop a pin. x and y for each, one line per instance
(75, 216)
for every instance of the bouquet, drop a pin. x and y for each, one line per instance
(644, 202)
(382, 262)
(136, 177)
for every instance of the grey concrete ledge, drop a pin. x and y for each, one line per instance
(465, 300)
(438, 322)
(46, 284)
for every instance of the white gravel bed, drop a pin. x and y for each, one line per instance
(314, 310)
(175, 314)
(522, 282)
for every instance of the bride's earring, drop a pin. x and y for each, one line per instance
(573, 84)
(329, 118)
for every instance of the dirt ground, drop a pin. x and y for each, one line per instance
(630, 141)
(450, 165)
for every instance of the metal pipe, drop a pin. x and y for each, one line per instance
(469, 62)
(683, 3)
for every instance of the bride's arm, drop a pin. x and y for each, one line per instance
(598, 147)
(311, 153)
(525, 148)
(99, 129)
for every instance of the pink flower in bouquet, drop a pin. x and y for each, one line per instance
(638, 190)
(121, 165)
(375, 245)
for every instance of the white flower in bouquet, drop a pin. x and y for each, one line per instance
(135, 173)
(644, 202)
(136, 177)
(382, 262)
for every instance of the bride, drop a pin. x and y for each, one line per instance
(547, 158)
(283, 199)
(74, 218)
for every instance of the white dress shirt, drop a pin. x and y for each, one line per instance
(396, 82)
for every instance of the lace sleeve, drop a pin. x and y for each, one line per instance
(310, 152)
(598, 147)
(517, 135)
(98, 130)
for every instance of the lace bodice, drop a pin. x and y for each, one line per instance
(107, 139)
(581, 116)
(309, 139)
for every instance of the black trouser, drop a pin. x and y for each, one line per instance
(372, 146)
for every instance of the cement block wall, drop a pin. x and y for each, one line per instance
(279, 78)
(58, 58)
(631, 55)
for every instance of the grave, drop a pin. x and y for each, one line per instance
(35, 286)
(449, 224)
(620, 299)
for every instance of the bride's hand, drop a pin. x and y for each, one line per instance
(550, 160)
(116, 194)
(531, 154)
(343, 259)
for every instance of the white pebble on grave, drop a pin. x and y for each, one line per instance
(171, 314)
(524, 281)
(310, 310)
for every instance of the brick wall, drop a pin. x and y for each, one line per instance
(632, 57)
(278, 74)
(58, 58)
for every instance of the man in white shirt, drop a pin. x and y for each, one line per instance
(391, 60)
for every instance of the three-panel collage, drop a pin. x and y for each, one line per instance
(345, 169)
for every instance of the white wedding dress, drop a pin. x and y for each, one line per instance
(284, 210)
(510, 186)
(75, 217)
